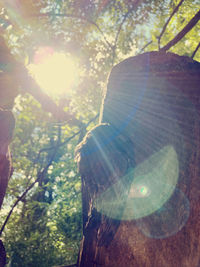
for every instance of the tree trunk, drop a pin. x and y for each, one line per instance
(140, 171)
(7, 124)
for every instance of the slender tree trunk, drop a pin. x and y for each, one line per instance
(7, 124)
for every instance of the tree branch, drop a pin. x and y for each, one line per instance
(39, 177)
(30, 86)
(119, 30)
(182, 33)
(76, 17)
(143, 48)
(41, 174)
(15, 204)
(19, 74)
(168, 21)
(67, 140)
(196, 49)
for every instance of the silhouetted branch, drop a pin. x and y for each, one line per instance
(43, 172)
(167, 22)
(85, 126)
(39, 178)
(68, 139)
(182, 33)
(30, 86)
(76, 17)
(196, 49)
(19, 74)
(144, 47)
(15, 204)
(119, 30)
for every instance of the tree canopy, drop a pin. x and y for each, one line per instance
(41, 223)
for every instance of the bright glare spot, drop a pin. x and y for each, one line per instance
(143, 190)
(139, 191)
(55, 72)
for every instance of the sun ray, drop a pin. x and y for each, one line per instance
(55, 72)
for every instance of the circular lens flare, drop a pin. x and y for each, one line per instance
(169, 219)
(149, 184)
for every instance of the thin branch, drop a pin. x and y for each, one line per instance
(196, 49)
(144, 47)
(85, 126)
(39, 177)
(67, 140)
(41, 174)
(122, 23)
(182, 33)
(76, 17)
(168, 21)
(15, 204)
(52, 147)
(119, 30)
(29, 85)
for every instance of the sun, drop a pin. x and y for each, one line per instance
(55, 72)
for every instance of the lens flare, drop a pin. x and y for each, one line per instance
(168, 220)
(147, 188)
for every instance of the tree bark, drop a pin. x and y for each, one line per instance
(151, 218)
(182, 33)
(7, 124)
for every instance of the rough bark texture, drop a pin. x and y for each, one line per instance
(7, 124)
(152, 101)
(2, 255)
(104, 167)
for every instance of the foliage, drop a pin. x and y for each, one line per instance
(45, 227)
(48, 219)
